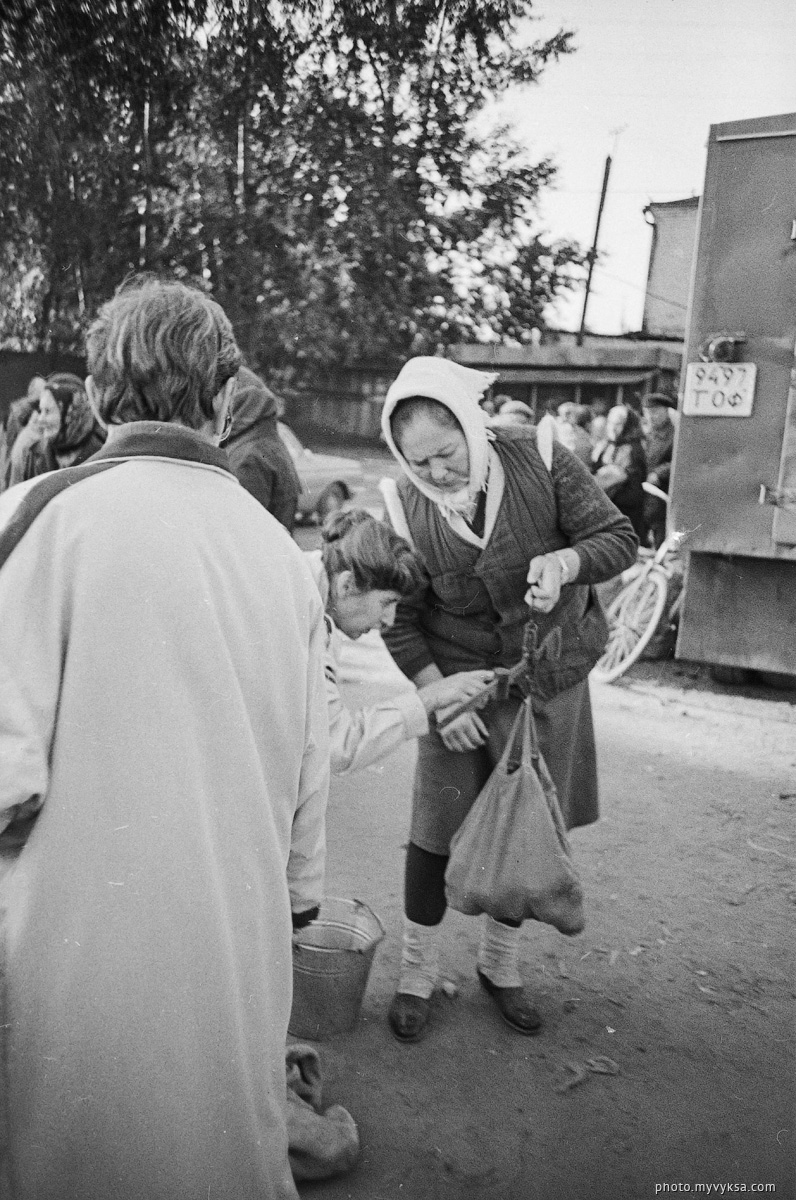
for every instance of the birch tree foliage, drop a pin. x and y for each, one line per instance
(316, 165)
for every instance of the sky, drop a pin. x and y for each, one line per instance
(648, 79)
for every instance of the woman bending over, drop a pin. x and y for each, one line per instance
(362, 571)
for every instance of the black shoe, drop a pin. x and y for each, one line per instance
(514, 1005)
(408, 1016)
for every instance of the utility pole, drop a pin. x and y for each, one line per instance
(593, 251)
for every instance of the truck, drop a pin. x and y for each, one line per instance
(733, 486)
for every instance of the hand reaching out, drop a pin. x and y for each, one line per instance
(454, 689)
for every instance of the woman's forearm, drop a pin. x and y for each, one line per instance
(426, 675)
(571, 559)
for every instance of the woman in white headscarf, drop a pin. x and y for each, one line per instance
(508, 523)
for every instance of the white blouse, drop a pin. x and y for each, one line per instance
(358, 739)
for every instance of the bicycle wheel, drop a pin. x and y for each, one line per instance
(632, 620)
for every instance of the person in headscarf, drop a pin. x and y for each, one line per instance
(620, 466)
(20, 431)
(504, 536)
(69, 431)
(256, 452)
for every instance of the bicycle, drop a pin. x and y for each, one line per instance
(635, 613)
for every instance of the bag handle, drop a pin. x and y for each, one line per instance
(395, 509)
(546, 435)
(523, 736)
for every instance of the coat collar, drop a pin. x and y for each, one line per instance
(139, 439)
(157, 439)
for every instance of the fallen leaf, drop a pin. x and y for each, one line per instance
(579, 1075)
(602, 1065)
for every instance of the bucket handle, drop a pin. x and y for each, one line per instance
(297, 947)
(382, 930)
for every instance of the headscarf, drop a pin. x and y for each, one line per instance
(77, 416)
(631, 430)
(460, 390)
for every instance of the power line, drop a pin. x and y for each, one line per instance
(639, 288)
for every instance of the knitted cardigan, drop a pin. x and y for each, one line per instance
(472, 613)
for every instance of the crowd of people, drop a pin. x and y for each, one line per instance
(170, 716)
(624, 447)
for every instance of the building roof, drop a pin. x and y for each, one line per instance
(605, 360)
(686, 202)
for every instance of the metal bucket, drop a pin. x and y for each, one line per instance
(332, 958)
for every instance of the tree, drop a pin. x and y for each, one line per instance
(411, 230)
(315, 164)
(91, 92)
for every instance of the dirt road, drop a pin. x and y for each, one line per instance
(683, 979)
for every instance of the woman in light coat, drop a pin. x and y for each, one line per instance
(164, 749)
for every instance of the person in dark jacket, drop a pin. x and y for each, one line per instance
(490, 515)
(70, 432)
(620, 466)
(658, 446)
(257, 454)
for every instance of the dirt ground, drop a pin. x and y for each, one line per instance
(683, 977)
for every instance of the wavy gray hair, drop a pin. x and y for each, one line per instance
(160, 351)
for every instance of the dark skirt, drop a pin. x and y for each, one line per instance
(447, 783)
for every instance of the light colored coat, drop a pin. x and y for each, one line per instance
(161, 691)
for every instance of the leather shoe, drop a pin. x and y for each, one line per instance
(514, 1006)
(408, 1016)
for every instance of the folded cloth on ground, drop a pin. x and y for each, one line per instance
(320, 1143)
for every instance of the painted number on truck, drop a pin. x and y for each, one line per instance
(719, 389)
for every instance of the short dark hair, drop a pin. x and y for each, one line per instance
(410, 407)
(160, 351)
(377, 557)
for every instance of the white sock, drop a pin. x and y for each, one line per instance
(497, 954)
(419, 960)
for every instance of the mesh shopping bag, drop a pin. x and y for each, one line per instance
(510, 857)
